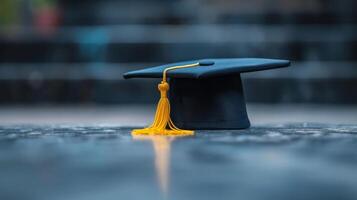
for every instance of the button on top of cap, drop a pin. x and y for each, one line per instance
(206, 62)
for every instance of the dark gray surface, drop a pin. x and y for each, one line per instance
(293, 161)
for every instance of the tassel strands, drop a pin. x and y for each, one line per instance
(163, 124)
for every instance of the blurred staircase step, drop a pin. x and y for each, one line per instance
(202, 11)
(165, 43)
(303, 82)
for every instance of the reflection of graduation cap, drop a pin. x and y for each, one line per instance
(204, 94)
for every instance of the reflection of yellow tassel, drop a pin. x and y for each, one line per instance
(163, 124)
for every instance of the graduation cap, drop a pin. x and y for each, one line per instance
(204, 94)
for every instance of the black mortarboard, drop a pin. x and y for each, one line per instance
(206, 93)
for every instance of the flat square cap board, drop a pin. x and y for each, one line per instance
(209, 94)
(210, 68)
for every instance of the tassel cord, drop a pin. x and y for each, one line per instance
(162, 119)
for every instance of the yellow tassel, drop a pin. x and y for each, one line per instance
(163, 124)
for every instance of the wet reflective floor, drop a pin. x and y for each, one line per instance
(290, 161)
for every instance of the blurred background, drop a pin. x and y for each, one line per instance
(61, 62)
(73, 52)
